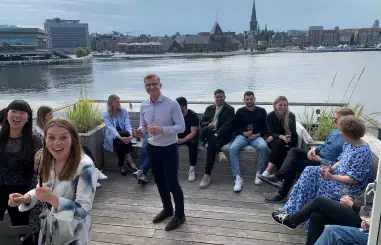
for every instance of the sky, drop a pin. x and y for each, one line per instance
(160, 17)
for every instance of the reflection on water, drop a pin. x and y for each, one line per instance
(300, 77)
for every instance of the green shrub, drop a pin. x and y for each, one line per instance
(80, 52)
(84, 114)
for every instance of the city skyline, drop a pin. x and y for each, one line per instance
(171, 16)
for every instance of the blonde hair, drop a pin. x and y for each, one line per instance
(286, 116)
(41, 114)
(151, 76)
(110, 110)
(69, 170)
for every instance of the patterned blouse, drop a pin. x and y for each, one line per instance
(71, 222)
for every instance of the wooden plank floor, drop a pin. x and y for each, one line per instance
(123, 213)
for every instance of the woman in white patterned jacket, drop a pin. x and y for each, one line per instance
(67, 183)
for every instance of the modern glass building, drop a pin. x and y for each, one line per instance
(67, 35)
(22, 39)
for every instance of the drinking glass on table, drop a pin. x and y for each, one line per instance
(365, 215)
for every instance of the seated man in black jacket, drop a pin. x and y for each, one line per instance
(216, 125)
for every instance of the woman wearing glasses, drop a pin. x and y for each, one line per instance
(67, 183)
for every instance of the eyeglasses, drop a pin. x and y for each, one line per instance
(151, 85)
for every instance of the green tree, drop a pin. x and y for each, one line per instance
(80, 52)
(261, 47)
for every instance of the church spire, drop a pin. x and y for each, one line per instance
(253, 20)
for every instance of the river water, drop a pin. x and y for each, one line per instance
(302, 77)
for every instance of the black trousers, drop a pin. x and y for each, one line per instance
(323, 211)
(295, 162)
(121, 148)
(193, 150)
(214, 147)
(278, 152)
(17, 218)
(164, 162)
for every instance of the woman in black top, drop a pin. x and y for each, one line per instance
(17, 149)
(281, 136)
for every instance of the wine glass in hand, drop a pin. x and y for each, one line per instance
(365, 215)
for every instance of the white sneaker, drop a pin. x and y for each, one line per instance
(98, 185)
(238, 183)
(266, 174)
(101, 176)
(142, 179)
(137, 174)
(192, 174)
(257, 180)
(222, 157)
(205, 182)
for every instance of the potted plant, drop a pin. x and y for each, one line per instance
(87, 117)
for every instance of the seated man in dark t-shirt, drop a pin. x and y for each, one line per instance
(190, 135)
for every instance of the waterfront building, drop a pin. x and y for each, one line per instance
(67, 35)
(345, 36)
(315, 35)
(22, 39)
(369, 36)
(19, 43)
(215, 41)
(298, 37)
(280, 40)
(331, 37)
(140, 48)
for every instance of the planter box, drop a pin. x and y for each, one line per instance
(94, 141)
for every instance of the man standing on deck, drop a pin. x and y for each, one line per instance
(161, 118)
(216, 131)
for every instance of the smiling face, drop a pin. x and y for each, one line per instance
(153, 86)
(59, 142)
(17, 119)
(281, 107)
(219, 99)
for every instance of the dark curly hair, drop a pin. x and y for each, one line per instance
(352, 127)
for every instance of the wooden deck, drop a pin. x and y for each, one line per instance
(123, 213)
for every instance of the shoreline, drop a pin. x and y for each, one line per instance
(120, 56)
(46, 62)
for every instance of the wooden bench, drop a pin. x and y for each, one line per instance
(248, 156)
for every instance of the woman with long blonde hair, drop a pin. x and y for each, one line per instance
(281, 136)
(118, 133)
(67, 181)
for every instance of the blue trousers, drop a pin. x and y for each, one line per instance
(342, 235)
(144, 160)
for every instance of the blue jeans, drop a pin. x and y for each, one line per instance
(241, 142)
(144, 161)
(342, 235)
